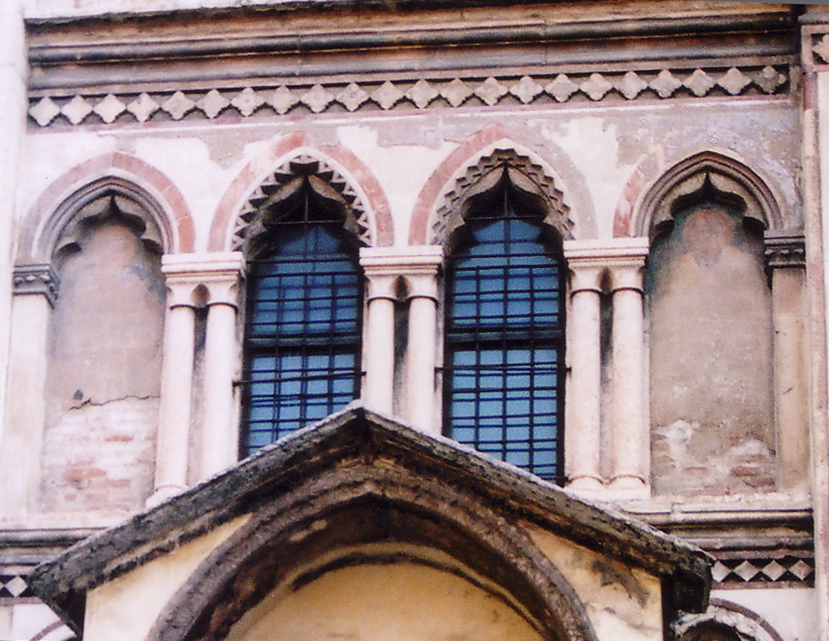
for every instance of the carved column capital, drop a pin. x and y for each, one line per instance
(623, 259)
(36, 279)
(199, 280)
(418, 268)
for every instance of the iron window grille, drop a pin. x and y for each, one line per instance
(303, 326)
(504, 340)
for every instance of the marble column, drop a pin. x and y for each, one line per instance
(173, 443)
(582, 447)
(815, 186)
(629, 442)
(221, 276)
(421, 394)
(786, 261)
(402, 274)
(378, 387)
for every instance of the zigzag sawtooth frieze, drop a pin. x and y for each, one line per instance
(556, 88)
(820, 46)
(764, 571)
(249, 221)
(501, 158)
(14, 586)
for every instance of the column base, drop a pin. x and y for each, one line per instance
(585, 484)
(163, 493)
(629, 487)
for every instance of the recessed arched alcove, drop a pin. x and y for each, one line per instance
(724, 175)
(104, 351)
(167, 223)
(376, 523)
(709, 311)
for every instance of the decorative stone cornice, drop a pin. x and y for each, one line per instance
(785, 251)
(142, 104)
(36, 279)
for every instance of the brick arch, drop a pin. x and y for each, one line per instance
(120, 173)
(296, 539)
(623, 217)
(466, 166)
(260, 170)
(726, 174)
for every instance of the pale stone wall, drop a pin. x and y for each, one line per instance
(13, 73)
(790, 613)
(31, 620)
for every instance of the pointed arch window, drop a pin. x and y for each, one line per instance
(504, 336)
(303, 323)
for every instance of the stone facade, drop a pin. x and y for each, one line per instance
(674, 151)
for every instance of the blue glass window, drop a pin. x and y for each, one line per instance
(505, 341)
(303, 334)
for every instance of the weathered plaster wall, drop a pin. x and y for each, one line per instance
(103, 379)
(406, 602)
(711, 357)
(603, 158)
(622, 602)
(147, 589)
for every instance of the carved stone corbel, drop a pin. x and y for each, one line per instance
(36, 279)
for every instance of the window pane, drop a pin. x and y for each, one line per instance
(504, 342)
(303, 331)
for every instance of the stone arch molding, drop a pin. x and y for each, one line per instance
(347, 518)
(730, 179)
(95, 201)
(327, 181)
(743, 623)
(527, 176)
